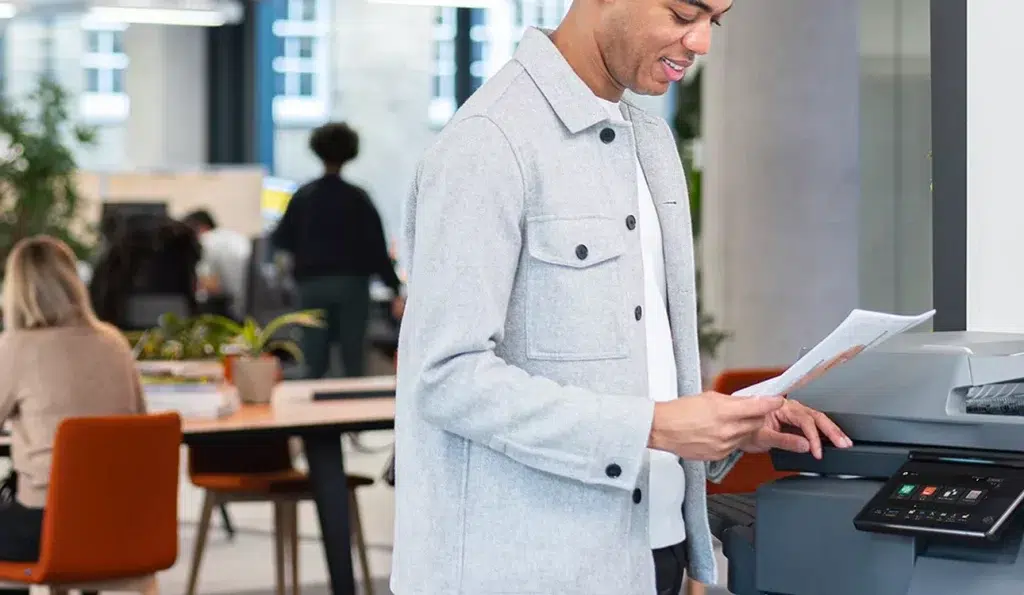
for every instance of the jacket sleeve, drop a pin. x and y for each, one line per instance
(717, 470)
(465, 222)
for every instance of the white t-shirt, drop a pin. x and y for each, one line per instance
(226, 257)
(667, 483)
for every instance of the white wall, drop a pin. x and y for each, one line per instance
(166, 84)
(995, 207)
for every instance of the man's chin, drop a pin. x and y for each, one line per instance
(651, 90)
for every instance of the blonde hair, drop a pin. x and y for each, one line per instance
(42, 288)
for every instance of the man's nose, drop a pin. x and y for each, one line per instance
(698, 39)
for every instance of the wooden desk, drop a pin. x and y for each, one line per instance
(357, 404)
(319, 412)
(356, 414)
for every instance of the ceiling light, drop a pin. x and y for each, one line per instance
(163, 16)
(442, 3)
(7, 10)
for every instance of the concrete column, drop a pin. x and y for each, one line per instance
(781, 185)
(166, 84)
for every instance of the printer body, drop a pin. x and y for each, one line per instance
(928, 501)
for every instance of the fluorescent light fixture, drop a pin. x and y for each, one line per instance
(165, 16)
(7, 10)
(441, 3)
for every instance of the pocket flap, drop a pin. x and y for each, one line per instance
(576, 242)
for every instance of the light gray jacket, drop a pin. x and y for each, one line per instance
(522, 407)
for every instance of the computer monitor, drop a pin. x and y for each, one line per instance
(117, 216)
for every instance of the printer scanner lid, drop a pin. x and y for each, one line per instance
(913, 389)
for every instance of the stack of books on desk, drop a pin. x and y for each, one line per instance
(192, 394)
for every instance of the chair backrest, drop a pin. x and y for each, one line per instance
(753, 469)
(112, 508)
(143, 310)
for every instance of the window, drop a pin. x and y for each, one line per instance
(301, 68)
(104, 63)
(546, 14)
(495, 33)
(443, 100)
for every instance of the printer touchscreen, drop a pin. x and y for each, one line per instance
(958, 499)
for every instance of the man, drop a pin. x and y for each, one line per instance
(551, 326)
(223, 270)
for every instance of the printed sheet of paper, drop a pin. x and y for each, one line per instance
(861, 331)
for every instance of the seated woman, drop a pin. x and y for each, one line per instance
(56, 361)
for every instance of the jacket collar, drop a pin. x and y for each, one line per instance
(571, 99)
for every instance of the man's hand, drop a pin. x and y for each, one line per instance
(796, 427)
(709, 426)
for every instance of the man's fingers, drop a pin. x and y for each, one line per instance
(752, 407)
(805, 421)
(784, 441)
(831, 430)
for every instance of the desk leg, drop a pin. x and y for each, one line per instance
(330, 490)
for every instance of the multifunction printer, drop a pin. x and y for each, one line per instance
(928, 501)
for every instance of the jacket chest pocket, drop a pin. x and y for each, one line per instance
(574, 289)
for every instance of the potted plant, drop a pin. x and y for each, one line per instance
(250, 362)
(38, 185)
(177, 339)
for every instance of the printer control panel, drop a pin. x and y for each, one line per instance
(962, 499)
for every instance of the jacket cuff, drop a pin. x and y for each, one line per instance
(717, 470)
(619, 463)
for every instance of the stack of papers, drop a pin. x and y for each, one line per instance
(862, 330)
(191, 400)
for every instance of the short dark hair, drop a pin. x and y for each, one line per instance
(335, 143)
(200, 217)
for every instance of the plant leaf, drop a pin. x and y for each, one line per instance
(307, 318)
(288, 347)
(219, 322)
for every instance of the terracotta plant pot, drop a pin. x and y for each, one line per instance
(255, 378)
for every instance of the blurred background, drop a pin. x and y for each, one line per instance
(806, 134)
(806, 130)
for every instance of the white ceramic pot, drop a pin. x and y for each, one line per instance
(255, 378)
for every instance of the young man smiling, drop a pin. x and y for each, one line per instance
(542, 443)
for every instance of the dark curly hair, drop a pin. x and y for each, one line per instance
(335, 143)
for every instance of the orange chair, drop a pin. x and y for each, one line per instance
(111, 518)
(263, 472)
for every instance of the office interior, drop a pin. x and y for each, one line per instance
(838, 152)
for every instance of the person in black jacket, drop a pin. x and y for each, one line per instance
(335, 237)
